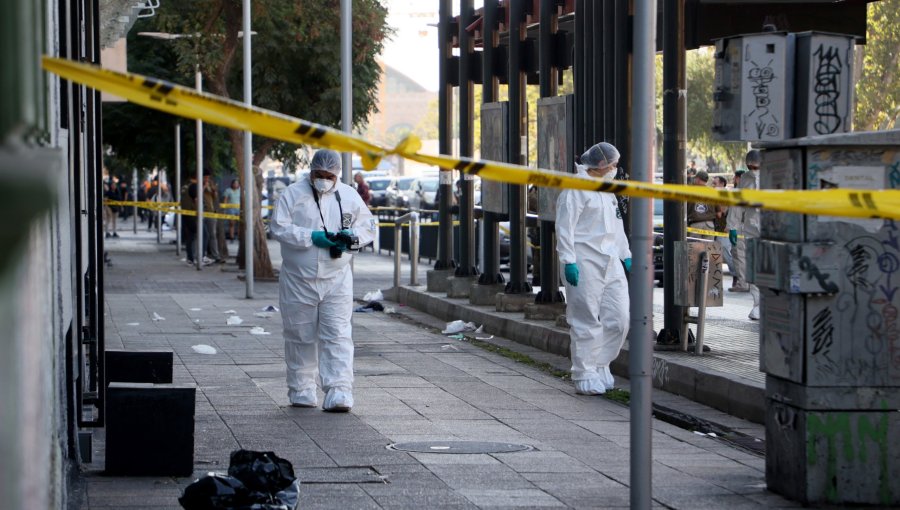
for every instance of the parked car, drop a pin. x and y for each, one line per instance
(398, 195)
(378, 189)
(424, 193)
(504, 241)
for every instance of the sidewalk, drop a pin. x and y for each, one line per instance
(412, 384)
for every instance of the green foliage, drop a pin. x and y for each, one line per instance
(296, 56)
(700, 67)
(878, 88)
(700, 75)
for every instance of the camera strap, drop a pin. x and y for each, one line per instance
(337, 197)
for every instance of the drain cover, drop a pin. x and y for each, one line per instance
(459, 447)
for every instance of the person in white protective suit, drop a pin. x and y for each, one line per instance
(594, 255)
(743, 222)
(316, 282)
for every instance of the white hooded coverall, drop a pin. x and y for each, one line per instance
(590, 234)
(746, 221)
(315, 290)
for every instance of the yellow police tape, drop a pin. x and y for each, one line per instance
(167, 207)
(704, 232)
(189, 103)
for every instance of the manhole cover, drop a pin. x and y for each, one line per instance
(459, 447)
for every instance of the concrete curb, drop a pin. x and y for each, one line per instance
(734, 395)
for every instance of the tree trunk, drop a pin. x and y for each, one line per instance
(262, 263)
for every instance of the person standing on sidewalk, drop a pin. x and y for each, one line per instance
(720, 182)
(316, 281)
(701, 215)
(232, 196)
(210, 205)
(743, 222)
(594, 253)
(362, 188)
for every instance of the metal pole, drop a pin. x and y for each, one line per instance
(517, 267)
(445, 109)
(159, 183)
(466, 142)
(398, 231)
(134, 187)
(641, 316)
(249, 204)
(346, 81)
(198, 257)
(578, 70)
(549, 263)
(414, 248)
(701, 302)
(673, 156)
(177, 193)
(489, 234)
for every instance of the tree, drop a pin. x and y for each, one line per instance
(700, 68)
(296, 68)
(142, 138)
(878, 88)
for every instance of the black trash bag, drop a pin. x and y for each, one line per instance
(261, 471)
(215, 492)
(256, 481)
(374, 305)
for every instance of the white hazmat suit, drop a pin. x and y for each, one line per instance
(316, 290)
(591, 235)
(744, 221)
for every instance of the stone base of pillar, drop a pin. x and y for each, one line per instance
(437, 280)
(545, 311)
(514, 302)
(459, 286)
(485, 294)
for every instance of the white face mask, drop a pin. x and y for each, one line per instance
(322, 185)
(608, 176)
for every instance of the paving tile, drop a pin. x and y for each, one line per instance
(414, 385)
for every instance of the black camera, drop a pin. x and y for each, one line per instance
(349, 242)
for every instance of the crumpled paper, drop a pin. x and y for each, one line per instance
(204, 349)
(373, 296)
(459, 327)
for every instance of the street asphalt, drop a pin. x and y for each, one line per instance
(412, 385)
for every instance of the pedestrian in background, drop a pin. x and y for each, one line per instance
(110, 192)
(720, 182)
(362, 188)
(743, 222)
(232, 196)
(701, 215)
(210, 205)
(594, 254)
(316, 282)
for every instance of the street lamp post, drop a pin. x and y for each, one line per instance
(346, 81)
(248, 161)
(198, 83)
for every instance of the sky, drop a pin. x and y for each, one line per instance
(413, 50)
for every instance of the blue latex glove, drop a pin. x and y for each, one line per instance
(572, 274)
(627, 264)
(319, 239)
(732, 236)
(348, 231)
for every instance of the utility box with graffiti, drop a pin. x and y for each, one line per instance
(688, 273)
(775, 86)
(830, 325)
